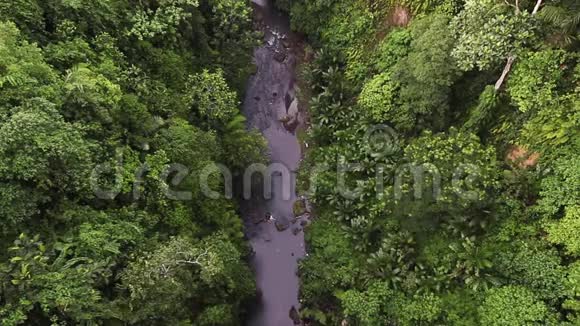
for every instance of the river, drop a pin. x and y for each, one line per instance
(270, 99)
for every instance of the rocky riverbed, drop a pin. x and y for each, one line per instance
(274, 228)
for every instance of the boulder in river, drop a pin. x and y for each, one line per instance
(299, 207)
(285, 119)
(293, 108)
(291, 125)
(288, 99)
(257, 219)
(280, 56)
(295, 316)
(295, 231)
(292, 113)
(282, 223)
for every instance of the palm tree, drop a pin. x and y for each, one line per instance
(473, 264)
(566, 19)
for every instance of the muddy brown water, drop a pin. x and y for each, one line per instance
(269, 94)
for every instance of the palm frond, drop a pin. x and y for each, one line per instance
(553, 14)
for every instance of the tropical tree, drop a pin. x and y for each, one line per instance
(511, 305)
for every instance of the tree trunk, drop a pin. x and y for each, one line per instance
(506, 71)
(537, 7)
(511, 58)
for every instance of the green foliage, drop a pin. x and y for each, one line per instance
(91, 91)
(230, 20)
(511, 305)
(243, 147)
(309, 16)
(87, 17)
(394, 47)
(535, 78)
(565, 20)
(567, 230)
(537, 268)
(68, 292)
(347, 26)
(487, 33)
(473, 265)
(186, 144)
(26, 14)
(481, 113)
(39, 146)
(379, 98)
(98, 95)
(160, 282)
(466, 167)
(573, 283)
(560, 188)
(215, 103)
(216, 315)
(328, 241)
(132, 87)
(67, 54)
(460, 308)
(432, 231)
(378, 306)
(554, 127)
(60, 287)
(24, 73)
(163, 21)
(367, 307)
(421, 309)
(229, 23)
(18, 204)
(107, 239)
(426, 74)
(382, 58)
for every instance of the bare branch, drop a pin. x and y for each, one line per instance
(191, 261)
(537, 7)
(512, 58)
(516, 6)
(506, 71)
(165, 270)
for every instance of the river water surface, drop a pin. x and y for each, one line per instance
(270, 97)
